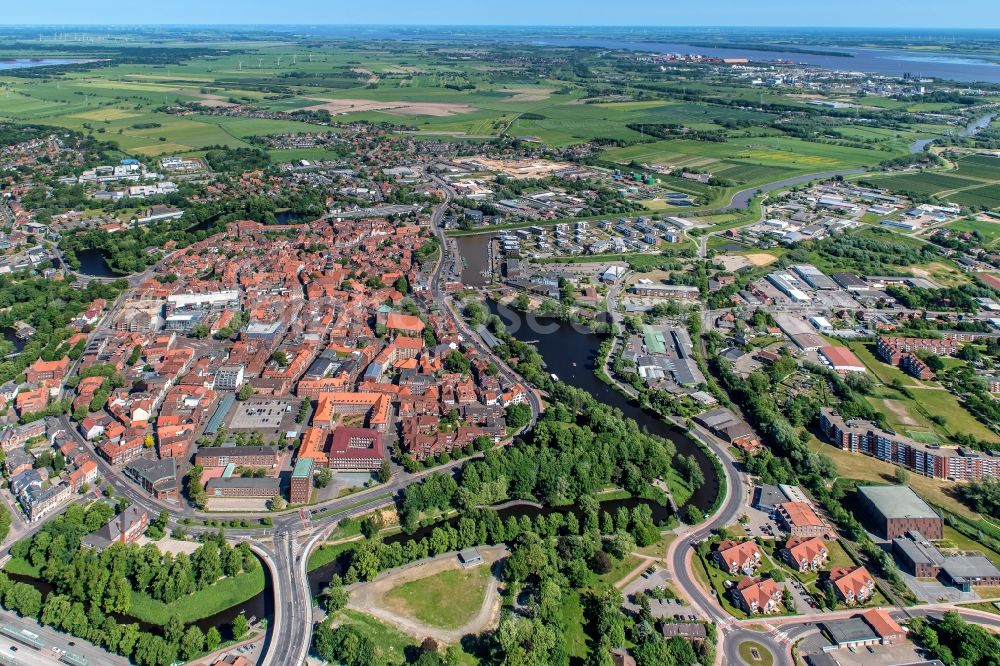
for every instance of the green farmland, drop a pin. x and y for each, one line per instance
(975, 183)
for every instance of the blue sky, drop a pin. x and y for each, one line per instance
(836, 13)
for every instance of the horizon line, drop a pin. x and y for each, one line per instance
(491, 25)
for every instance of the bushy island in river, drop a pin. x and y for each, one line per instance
(131, 600)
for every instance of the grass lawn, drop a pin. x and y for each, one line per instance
(326, 554)
(987, 592)
(838, 556)
(810, 579)
(448, 599)
(748, 649)
(987, 606)
(679, 487)
(658, 549)
(346, 529)
(714, 579)
(955, 539)
(884, 372)
(227, 592)
(959, 420)
(905, 416)
(619, 569)
(575, 623)
(390, 643)
(16, 565)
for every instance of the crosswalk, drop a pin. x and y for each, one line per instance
(780, 635)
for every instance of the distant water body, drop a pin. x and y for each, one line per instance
(954, 66)
(22, 63)
(890, 62)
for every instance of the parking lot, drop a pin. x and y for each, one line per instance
(761, 524)
(273, 418)
(804, 603)
(933, 591)
(650, 580)
(877, 654)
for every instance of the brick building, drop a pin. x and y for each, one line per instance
(799, 519)
(237, 486)
(939, 462)
(241, 456)
(895, 510)
(300, 491)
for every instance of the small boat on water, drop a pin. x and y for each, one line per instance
(555, 378)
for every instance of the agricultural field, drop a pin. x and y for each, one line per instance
(989, 230)
(927, 182)
(434, 95)
(750, 160)
(974, 183)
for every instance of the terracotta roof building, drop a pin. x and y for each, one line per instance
(799, 519)
(805, 553)
(736, 556)
(762, 596)
(404, 324)
(854, 585)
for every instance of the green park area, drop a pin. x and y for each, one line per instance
(447, 600)
(225, 594)
(391, 645)
(924, 411)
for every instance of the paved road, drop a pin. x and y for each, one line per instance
(442, 301)
(290, 632)
(741, 199)
(56, 644)
(681, 552)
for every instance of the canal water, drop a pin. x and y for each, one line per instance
(571, 353)
(970, 130)
(475, 254)
(92, 263)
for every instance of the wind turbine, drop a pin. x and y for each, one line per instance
(241, 65)
(260, 63)
(295, 59)
(279, 61)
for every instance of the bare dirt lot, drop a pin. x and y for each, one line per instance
(528, 94)
(901, 413)
(760, 258)
(370, 597)
(336, 106)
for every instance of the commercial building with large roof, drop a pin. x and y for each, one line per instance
(896, 510)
